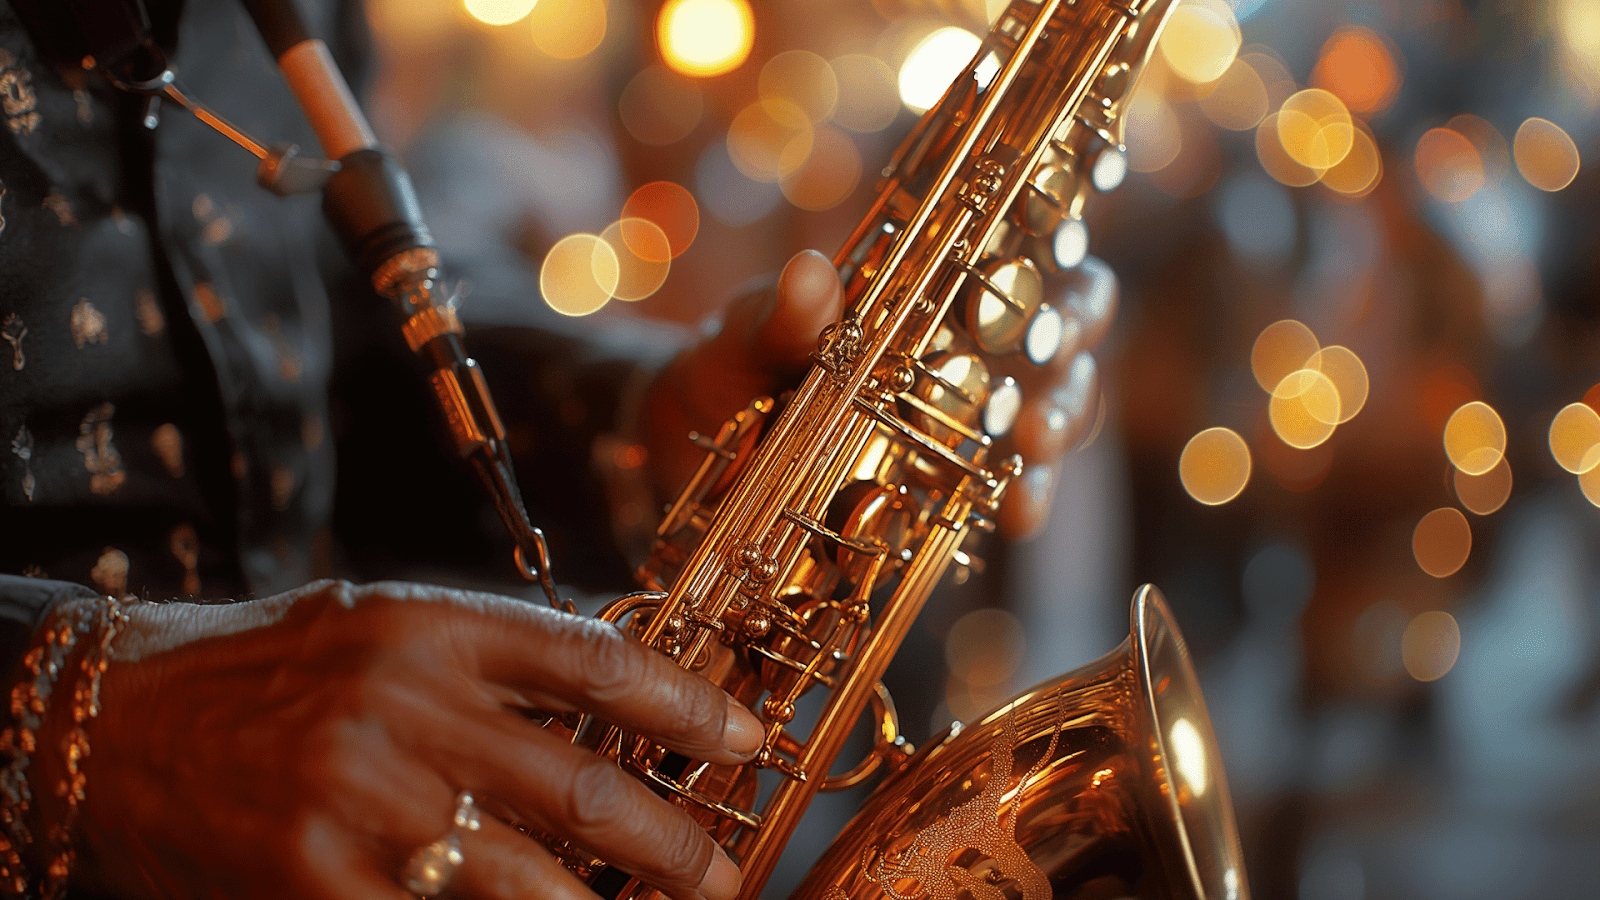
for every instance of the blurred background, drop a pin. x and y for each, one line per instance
(1350, 423)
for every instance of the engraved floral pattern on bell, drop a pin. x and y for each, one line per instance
(984, 824)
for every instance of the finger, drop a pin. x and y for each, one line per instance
(568, 663)
(809, 299)
(338, 866)
(1026, 506)
(1090, 294)
(566, 791)
(1052, 424)
(499, 862)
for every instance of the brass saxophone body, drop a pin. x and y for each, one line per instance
(815, 528)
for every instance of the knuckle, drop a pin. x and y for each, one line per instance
(697, 713)
(596, 797)
(606, 663)
(685, 853)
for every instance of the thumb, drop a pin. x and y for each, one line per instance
(809, 299)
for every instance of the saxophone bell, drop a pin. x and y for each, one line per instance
(1103, 783)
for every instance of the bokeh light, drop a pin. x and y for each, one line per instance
(1236, 101)
(1430, 645)
(579, 275)
(1277, 162)
(1545, 154)
(1315, 129)
(1448, 165)
(1484, 494)
(868, 99)
(933, 64)
(984, 649)
(660, 107)
(1575, 438)
(829, 174)
(803, 79)
(568, 29)
(1201, 40)
(770, 139)
(1442, 542)
(1215, 466)
(671, 207)
(1589, 483)
(1347, 374)
(1155, 137)
(1360, 171)
(1357, 66)
(643, 255)
(702, 38)
(1304, 409)
(499, 12)
(1475, 438)
(1284, 346)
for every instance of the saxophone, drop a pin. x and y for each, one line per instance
(815, 528)
(817, 524)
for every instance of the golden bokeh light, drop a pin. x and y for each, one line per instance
(1274, 75)
(1484, 494)
(1277, 162)
(1448, 165)
(1589, 483)
(702, 38)
(1545, 154)
(1475, 438)
(933, 64)
(1442, 542)
(1155, 137)
(1357, 66)
(1304, 409)
(1201, 40)
(829, 175)
(985, 647)
(568, 29)
(804, 79)
(643, 257)
(660, 107)
(1238, 100)
(579, 275)
(1316, 129)
(770, 139)
(1575, 438)
(499, 12)
(404, 24)
(1493, 151)
(1284, 346)
(1215, 466)
(1358, 174)
(671, 207)
(868, 98)
(1349, 377)
(1430, 645)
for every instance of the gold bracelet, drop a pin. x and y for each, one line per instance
(30, 702)
(75, 746)
(66, 630)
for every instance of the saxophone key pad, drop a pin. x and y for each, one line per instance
(1044, 336)
(1069, 244)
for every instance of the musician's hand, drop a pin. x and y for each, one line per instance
(307, 744)
(765, 341)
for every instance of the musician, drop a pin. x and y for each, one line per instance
(177, 375)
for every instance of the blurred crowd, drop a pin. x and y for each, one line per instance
(1395, 614)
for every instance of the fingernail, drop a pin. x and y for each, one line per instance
(807, 278)
(722, 878)
(741, 731)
